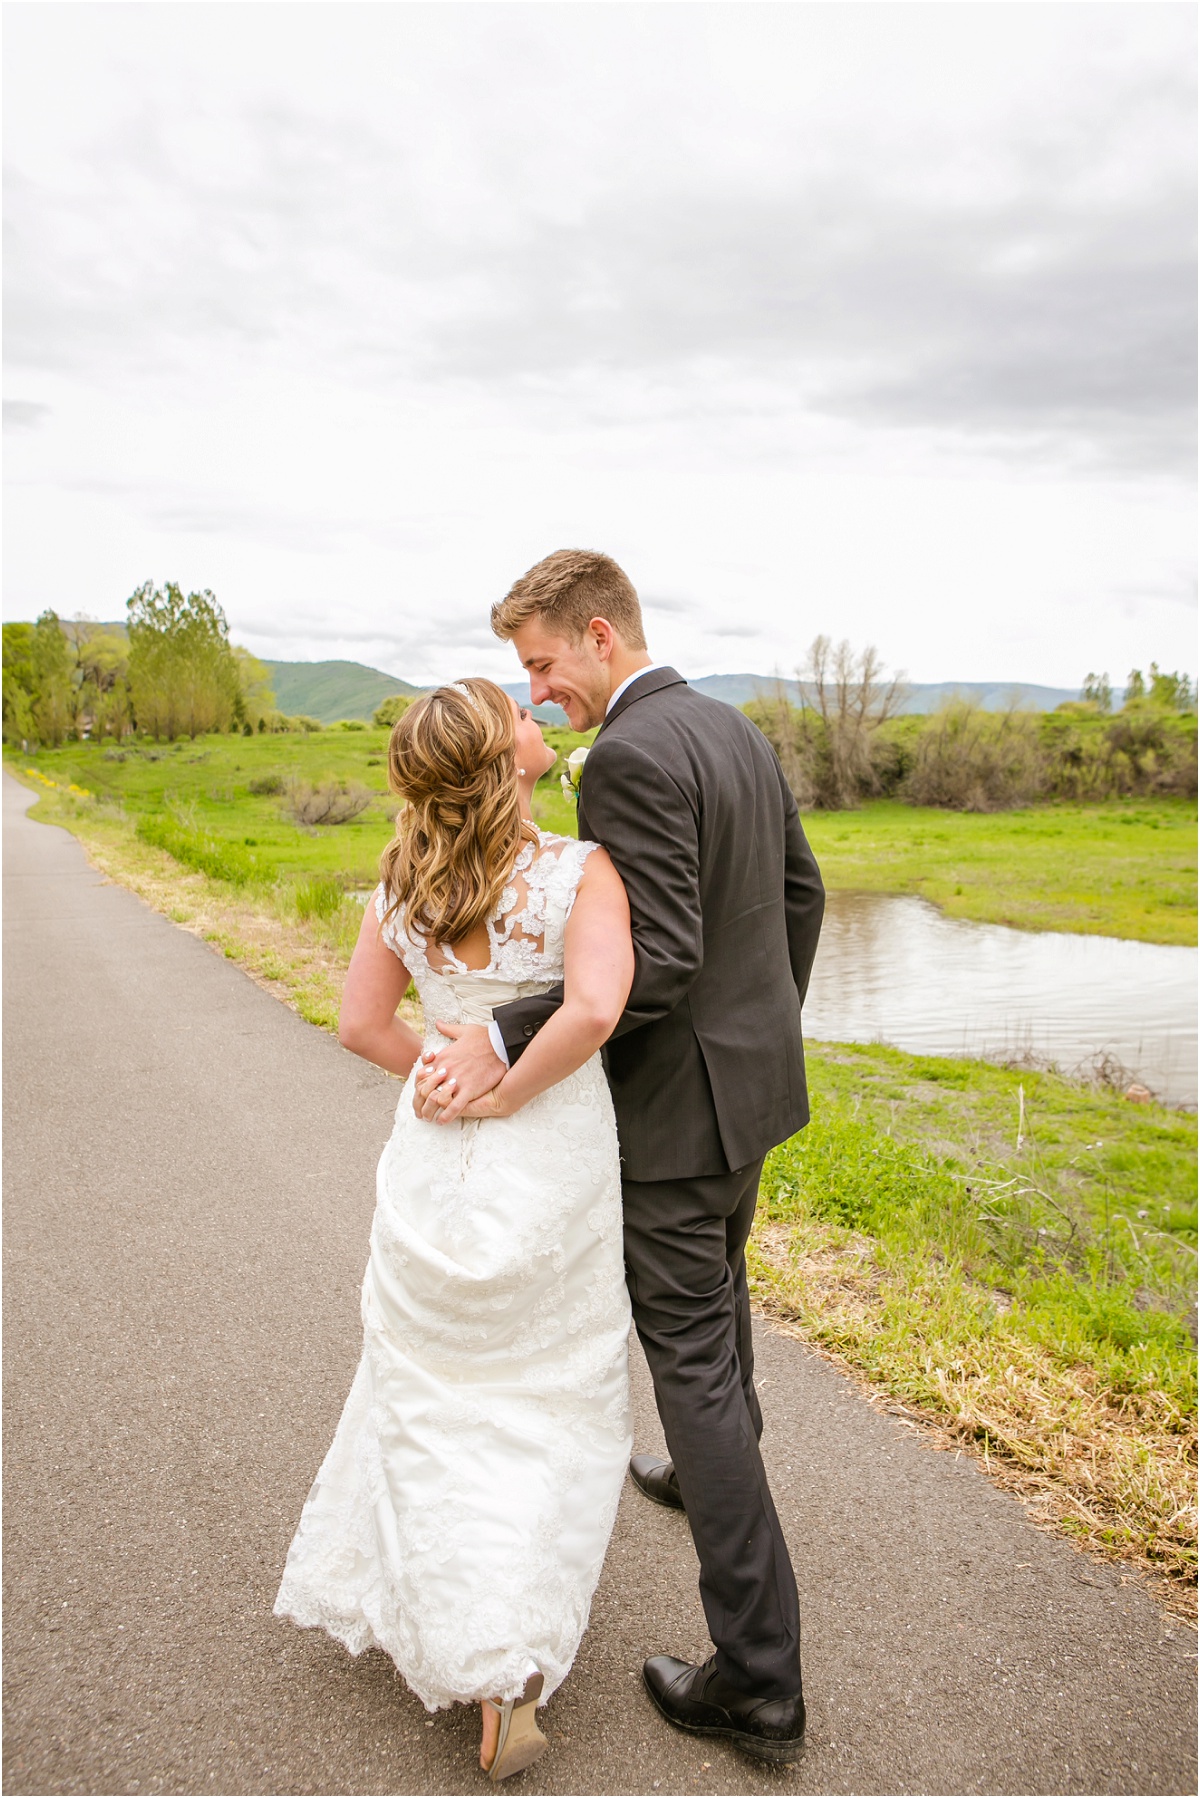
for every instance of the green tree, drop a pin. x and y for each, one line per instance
(183, 674)
(53, 705)
(103, 705)
(256, 695)
(1135, 686)
(1097, 689)
(1174, 692)
(390, 710)
(18, 683)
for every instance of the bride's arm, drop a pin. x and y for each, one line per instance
(376, 981)
(598, 971)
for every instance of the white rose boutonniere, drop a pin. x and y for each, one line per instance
(574, 774)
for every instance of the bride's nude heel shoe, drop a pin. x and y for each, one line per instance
(520, 1741)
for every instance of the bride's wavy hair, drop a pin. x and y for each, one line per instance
(452, 759)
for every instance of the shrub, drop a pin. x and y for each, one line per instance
(975, 761)
(319, 897)
(1145, 749)
(280, 721)
(390, 711)
(351, 724)
(264, 785)
(1153, 750)
(220, 861)
(333, 802)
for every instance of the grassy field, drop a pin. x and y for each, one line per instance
(1007, 1257)
(206, 787)
(1011, 1259)
(1127, 868)
(1124, 868)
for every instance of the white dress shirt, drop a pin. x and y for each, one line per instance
(628, 682)
(494, 1036)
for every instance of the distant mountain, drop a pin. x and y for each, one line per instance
(922, 696)
(926, 696)
(333, 690)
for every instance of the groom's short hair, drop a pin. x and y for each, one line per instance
(566, 591)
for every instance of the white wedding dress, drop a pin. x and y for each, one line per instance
(461, 1516)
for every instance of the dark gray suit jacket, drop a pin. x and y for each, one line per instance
(706, 1066)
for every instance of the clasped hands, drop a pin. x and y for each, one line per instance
(460, 1080)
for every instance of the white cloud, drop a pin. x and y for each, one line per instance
(874, 319)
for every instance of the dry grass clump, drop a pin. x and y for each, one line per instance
(330, 802)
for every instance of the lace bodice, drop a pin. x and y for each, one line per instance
(526, 936)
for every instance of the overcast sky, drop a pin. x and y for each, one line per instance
(875, 320)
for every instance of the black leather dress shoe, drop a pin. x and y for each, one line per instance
(699, 1700)
(657, 1480)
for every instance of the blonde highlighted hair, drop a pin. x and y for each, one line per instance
(566, 591)
(452, 760)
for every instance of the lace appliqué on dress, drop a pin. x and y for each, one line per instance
(525, 930)
(461, 1516)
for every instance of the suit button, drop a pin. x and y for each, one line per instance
(528, 1031)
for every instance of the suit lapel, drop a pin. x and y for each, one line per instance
(652, 682)
(641, 688)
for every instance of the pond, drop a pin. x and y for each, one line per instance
(897, 970)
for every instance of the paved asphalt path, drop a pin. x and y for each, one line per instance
(190, 1175)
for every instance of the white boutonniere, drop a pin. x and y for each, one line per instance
(574, 775)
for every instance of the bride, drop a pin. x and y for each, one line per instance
(461, 1516)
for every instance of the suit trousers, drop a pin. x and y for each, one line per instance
(685, 1264)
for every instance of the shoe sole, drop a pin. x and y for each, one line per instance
(522, 1742)
(778, 1753)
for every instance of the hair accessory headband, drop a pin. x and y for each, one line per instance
(457, 686)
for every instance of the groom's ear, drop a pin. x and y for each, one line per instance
(603, 637)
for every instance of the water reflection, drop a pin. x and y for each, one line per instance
(896, 970)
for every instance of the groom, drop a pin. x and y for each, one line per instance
(706, 1069)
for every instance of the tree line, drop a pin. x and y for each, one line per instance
(848, 740)
(171, 672)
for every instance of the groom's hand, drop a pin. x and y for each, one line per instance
(452, 1078)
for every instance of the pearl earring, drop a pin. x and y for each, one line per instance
(520, 770)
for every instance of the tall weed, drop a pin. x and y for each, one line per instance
(219, 860)
(320, 897)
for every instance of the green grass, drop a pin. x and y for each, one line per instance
(203, 789)
(218, 859)
(1124, 868)
(1116, 1181)
(1012, 1256)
